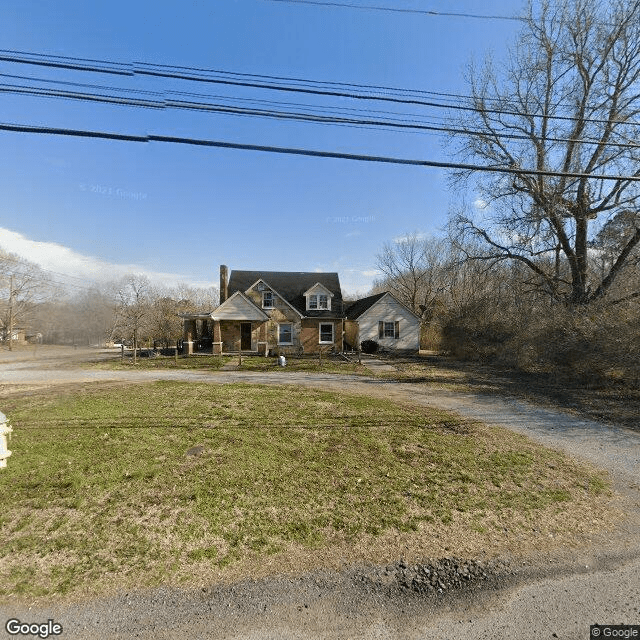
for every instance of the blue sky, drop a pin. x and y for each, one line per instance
(98, 208)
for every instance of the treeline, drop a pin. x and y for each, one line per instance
(499, 311)
(542, 271)
(36, 306)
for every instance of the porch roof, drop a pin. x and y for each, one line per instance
(239, 307)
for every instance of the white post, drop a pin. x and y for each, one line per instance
(4, 430)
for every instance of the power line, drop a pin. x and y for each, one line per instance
(50, 282)
(455, 96)
(38, 274)
(235, 74)
(311, 87)
(15, 259)
(129, 69)
(104, 135)
(426, 12)
(387, 123)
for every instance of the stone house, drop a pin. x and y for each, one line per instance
(269, 312)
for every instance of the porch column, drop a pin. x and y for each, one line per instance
(216, 346)
(263, 347)
(188, 335)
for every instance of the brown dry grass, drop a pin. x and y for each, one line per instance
(615, 402)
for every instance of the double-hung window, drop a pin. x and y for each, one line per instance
(285, 333)
(318, 301)
(388, 329)
(326, 332)
(267, 299)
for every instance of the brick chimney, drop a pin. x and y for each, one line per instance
(224, 283)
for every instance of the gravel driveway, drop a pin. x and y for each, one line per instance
(555, 597)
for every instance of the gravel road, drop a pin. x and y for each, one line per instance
(552, 597)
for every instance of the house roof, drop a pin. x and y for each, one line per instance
(292, 285)
(238, 307)
(354, 310)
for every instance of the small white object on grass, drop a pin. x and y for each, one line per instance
(5, 429)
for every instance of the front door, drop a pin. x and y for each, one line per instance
(245, 336)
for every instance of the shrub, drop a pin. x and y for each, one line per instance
(593, 346)
(369, 346)
(477, 331)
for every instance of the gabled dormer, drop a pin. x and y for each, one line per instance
(267, 298)
(263, 294)
(318, 298)
(291, 289)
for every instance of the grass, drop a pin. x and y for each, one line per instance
(329, 364)
(164, 482)
(115, 363)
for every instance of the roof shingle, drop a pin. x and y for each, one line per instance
(355, 309)
(291, 285)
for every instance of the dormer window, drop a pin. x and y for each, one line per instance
(267, 299)
(316, 301)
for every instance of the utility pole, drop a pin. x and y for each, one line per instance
(11, 313)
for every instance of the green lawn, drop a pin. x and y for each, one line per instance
(156, 483)
(329, 364)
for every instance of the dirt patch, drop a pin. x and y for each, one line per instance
(16, 391)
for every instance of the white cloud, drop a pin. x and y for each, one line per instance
(479, 203)
(67, 262)
(407, 236)
(356, 281)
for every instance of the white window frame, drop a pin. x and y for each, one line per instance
(264, 301)
(285, 324)
(318, 302)
(386, 325)
(333, 333)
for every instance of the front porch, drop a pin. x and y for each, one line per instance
(206, 335)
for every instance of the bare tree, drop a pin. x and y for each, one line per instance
(83, 317)
(414, 269)
(567, 102)
(195, 299)
(134, 307)
(25, 284)
(165, 322)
